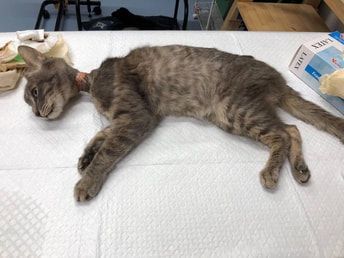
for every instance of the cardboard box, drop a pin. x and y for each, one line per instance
(318, 57)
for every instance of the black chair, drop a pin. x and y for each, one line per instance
(43, 13)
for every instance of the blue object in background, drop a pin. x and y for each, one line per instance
(338, 36)
(22, 14)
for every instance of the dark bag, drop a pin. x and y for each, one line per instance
(122, 19)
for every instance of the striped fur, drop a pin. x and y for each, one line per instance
(239, 94)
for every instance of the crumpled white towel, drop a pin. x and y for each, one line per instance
(52, 45)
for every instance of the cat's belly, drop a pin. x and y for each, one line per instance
(200, 108)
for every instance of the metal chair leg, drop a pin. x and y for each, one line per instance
(78, 16)
(41, 12)
(89, 8)
(186, 14)
(59, 15)
(176, 7)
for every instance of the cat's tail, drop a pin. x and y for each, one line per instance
(312, 114)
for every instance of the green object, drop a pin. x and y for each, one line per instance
(224, 6)
(18, 58)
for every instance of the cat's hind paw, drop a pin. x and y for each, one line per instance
(301, 172)
(268, 179)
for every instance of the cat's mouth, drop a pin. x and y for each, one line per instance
(55, 108)
(46, 111)
(51, 110)
(55, 112)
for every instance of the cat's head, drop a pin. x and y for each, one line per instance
(50, 83)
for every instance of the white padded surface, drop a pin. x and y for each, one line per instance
(188, 190)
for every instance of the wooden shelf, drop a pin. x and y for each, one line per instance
(281, 17)
(336, 6)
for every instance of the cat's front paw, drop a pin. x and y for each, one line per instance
(83, 163)
(86, 188)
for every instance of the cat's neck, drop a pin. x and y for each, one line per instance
(82, 81)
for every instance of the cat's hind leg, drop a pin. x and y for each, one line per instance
(91, 149)
(261, 123)
(298, 165)
(278, 141)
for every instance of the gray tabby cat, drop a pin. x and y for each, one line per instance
(237, 93)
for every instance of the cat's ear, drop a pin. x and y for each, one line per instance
(31, 56)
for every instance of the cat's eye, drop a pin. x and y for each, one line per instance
(34, 92)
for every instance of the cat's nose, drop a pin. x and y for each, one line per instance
(37, 113)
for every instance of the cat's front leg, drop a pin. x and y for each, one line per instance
(124, 134)
(91, 149)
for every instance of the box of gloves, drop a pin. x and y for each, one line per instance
(320, 64)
